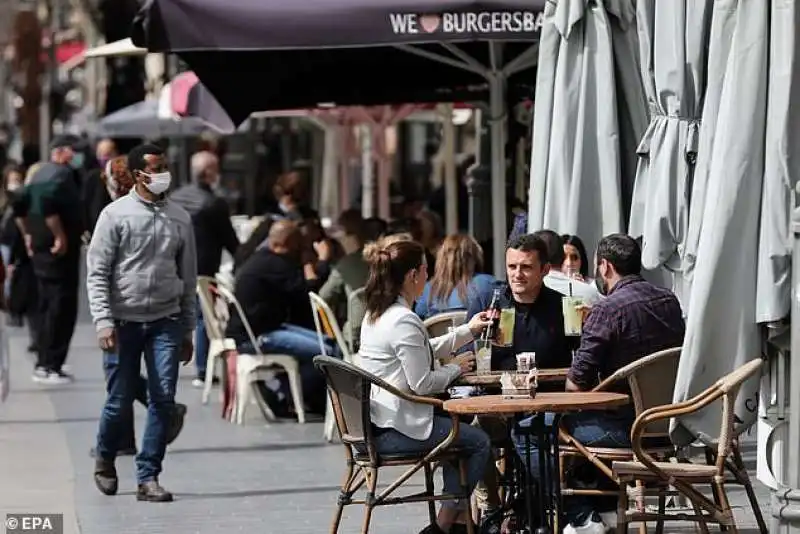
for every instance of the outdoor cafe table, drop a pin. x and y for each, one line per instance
(557, 403)
(492, 378)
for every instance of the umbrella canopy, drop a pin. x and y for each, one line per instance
(257, 55)
(721, 328)
(186, 96)
(143, 119)
(580, 175)
(673, 45)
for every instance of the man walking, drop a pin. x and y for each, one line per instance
(48, 213)
(141, 277)
(213, 232)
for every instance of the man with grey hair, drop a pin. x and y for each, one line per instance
(213, 232)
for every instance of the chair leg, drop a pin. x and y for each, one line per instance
(640, 505)
(337, 515)
(622, 508)
(662, 510)
(372, 483)
(462, 475)
(718, 487)
(701, 521)
(744, 479)
(209, 378)
(429, 491)
(297, 395)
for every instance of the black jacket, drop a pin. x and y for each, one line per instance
(272, 291)
(211, 219)
(95, 197)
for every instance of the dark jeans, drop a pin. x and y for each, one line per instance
(590, 428)
(111, 371)
(200, 343)
(58, 311)
(160, 342)
(303, 344)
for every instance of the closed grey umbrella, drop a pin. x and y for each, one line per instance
(673, 38)
(721, 329)
(590, 113)
(143, 120)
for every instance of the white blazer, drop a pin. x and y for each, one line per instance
(397, 349)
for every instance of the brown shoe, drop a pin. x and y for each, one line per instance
(151, 491)
(105, 476)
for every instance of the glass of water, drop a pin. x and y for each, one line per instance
(483, 356)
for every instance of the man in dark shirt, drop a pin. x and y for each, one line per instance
(538, 321)
(48, 213)
(213, 232)
(634, 320)
(273, 293)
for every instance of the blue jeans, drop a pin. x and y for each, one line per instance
(200, 343)
(303, 344)
(160, 342)
(111, 372)
(473, 441)
(596, 429)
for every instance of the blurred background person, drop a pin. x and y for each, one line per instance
(94, 194)
(374, 229)
(348, 275)
(457, 278)
(576, 260)
(431, 234)
(213, 232)
(20, 291)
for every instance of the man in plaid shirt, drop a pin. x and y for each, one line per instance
(635, 319)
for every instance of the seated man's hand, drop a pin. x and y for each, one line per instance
(584, 310)
(465, 361)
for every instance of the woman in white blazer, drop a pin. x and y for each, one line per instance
(395, 347)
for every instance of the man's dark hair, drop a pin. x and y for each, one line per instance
(530, 243)
(555, 247)
(136, 156)
(623, 252)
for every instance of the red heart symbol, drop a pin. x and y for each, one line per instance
(430, 23)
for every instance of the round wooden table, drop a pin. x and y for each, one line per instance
(492, 378)
(546, 438)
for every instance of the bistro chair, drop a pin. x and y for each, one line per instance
(439, 324)
(647, 472)
(349, 388)
(208, 296)
(651, 381)
(248, 367)
(327, 325)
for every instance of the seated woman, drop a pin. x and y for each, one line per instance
(396, 348)
(576, 261)
(456, 280)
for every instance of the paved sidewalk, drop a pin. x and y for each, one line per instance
(277, 479)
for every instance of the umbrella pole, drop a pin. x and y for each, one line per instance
(786, 501)
(497, 129)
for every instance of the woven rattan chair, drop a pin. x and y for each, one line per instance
(349, 388)
(659, 477)
(437, 325)
(651, 381)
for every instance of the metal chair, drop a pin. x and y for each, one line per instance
(653, 476)
(349, 389)
(327, 325)
(651, 382)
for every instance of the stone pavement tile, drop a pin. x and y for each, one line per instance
(36, 472)
(226, 478)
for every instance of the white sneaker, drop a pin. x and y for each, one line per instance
(56, 379)
(39, 373)
(590, 527)
(197, 383)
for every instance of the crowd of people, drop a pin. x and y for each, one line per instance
(149, 241)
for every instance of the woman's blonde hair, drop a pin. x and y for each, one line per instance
(457, 261)
(390, 259)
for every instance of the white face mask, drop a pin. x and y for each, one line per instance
(159, 182)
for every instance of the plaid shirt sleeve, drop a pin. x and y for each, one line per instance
(599, 331)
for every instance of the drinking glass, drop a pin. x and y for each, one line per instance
(483, 356)
(507, 319)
